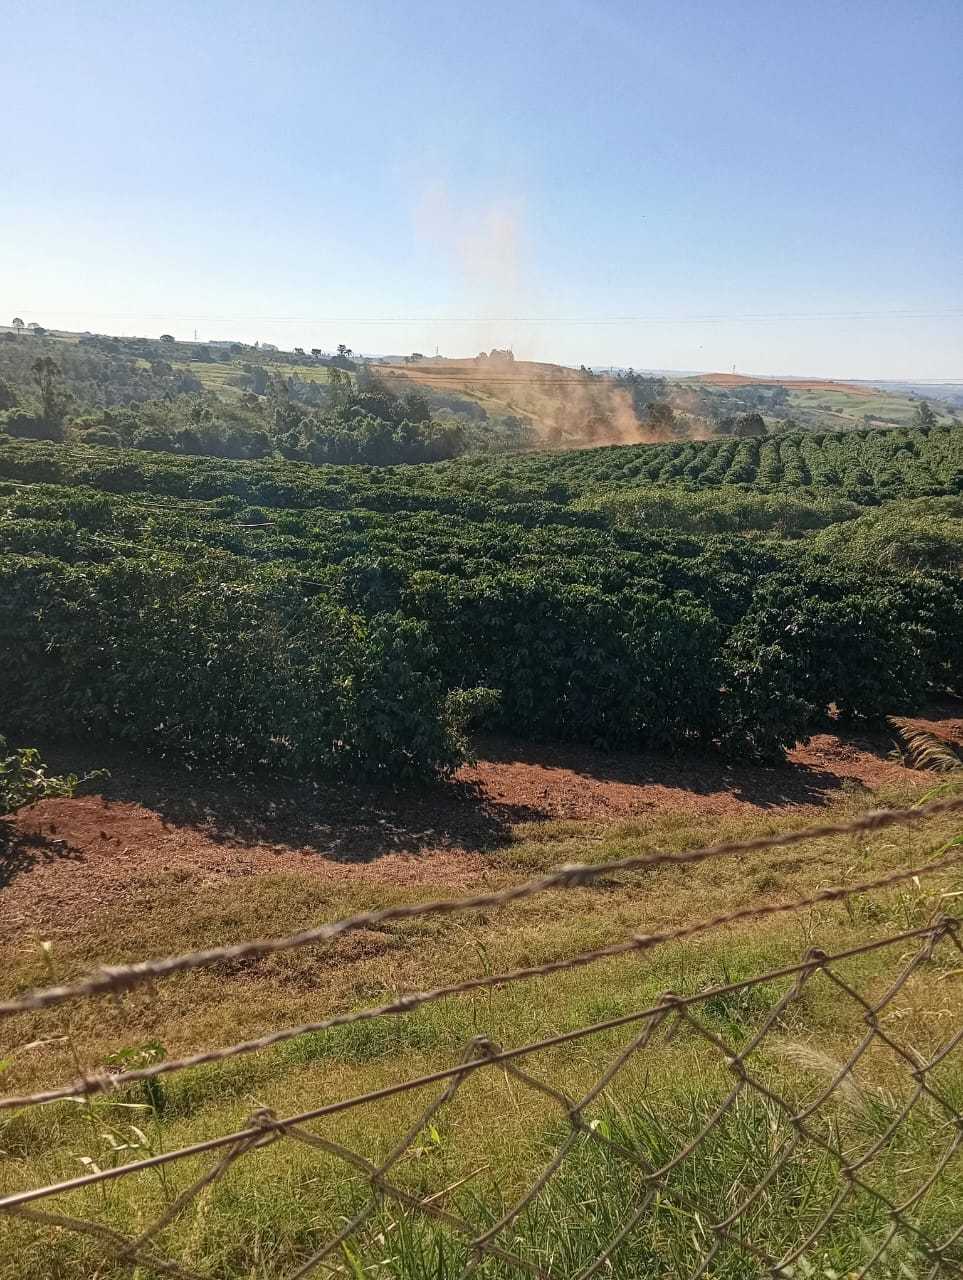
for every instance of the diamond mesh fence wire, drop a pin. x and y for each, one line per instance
(803, 1120)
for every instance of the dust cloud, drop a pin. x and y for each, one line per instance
(487, 255)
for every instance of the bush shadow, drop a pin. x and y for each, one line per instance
(342, 822)
(21, 851)
(792, 784)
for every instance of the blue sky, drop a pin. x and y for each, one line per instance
(772, 185)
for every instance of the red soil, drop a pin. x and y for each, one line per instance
(791, 384)
(65, 859)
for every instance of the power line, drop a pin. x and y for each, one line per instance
(694, 318)
(586, 380)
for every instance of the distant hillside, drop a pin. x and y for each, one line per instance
(795, 384)
(822, 403)
(572, 407)
(564, 406)
(232, 399)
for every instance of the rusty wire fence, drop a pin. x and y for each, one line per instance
(806, 1120)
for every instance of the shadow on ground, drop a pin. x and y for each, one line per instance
(23, 850)
(342, 822)
(513, 783)
(798, 782)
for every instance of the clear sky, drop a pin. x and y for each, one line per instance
(770, 184)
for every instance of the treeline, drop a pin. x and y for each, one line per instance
(130, 393)
(87, 377)
(169, 348)
(268, 615)
(344, 420)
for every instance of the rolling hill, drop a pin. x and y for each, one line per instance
(577, 407)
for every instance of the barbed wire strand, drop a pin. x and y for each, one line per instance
(666, 1003)
(574, 875)
(712, 1233)
(105, 1082)
(266, 1128)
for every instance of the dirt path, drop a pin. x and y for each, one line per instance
(67, 858)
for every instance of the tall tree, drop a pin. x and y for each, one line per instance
(18, 325)
(661, 416)
(925, 417)
(8, 397)
(53, 400)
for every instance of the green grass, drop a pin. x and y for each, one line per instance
(881, 405)
(215, 377)
(487, 1144)
(306, 373)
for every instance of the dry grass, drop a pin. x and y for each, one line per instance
(272, 1207)
(924, 750)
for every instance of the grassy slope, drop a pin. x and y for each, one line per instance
(529, 389)
(554, 399)
(271, 1208)
(827, 405)
(882, 405)
(214, 377)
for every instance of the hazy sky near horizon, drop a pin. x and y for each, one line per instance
(770, 184)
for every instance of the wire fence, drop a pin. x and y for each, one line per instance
(803, 1120)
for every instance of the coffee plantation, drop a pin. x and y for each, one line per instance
(296, 619)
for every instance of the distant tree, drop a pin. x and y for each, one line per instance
(924, 416)
(236, 348)
(661, 415)
(644, 391)
(318, 353)
(750, 424)
(100, 435)
(744, 424)
(342, 358)
(201, 414)
(53, 399)
(26, 426)
(36, 329)
(159, 439)
(18, 325)
(299, 351)
(260, 379)
(166, 337)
